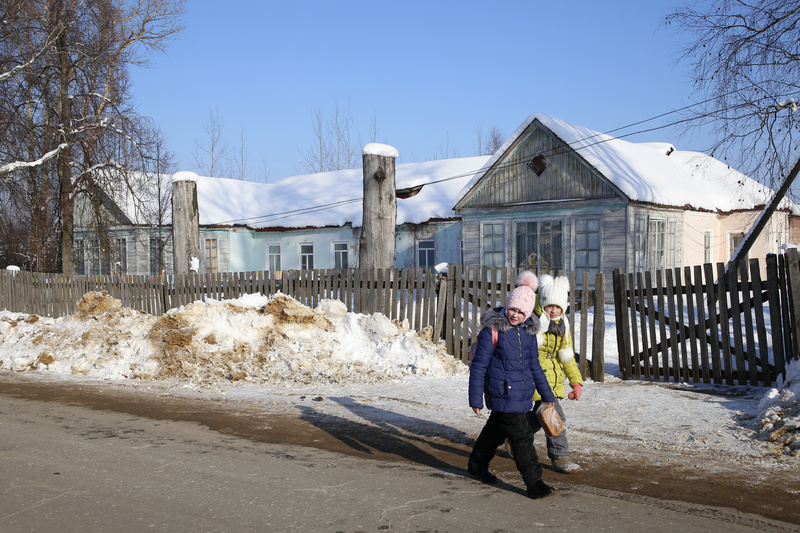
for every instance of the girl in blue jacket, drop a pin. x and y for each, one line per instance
(507, 375)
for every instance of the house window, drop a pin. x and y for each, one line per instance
(708, 255)
(587, 248)
(425, 255)
(156, 255)
(655, 243)
(96, 259)
(274, 257)
(736, 240)
(639, 243)
(540, 246)
(493, 246)
(340, 259)
(307, 257)
(120, 258)
(656, 235)
(211, 256)
(80, 258)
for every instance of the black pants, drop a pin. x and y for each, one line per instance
(515, 428)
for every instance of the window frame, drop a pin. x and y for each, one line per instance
(428, 252)
(541, 245)
(211, 253)
(305, 257)
(273, 258)
(495, 238)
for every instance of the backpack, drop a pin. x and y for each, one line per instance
(474, 347)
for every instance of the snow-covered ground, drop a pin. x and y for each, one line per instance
(276, 353)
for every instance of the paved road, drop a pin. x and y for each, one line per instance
(71, 468)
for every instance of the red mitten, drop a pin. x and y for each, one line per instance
(577, 390)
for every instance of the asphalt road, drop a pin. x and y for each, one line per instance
(68, 467)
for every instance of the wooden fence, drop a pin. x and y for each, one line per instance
(708, 324)
(449, 303)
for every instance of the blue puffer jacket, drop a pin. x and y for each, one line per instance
(508, 374)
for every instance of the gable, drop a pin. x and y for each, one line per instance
(510, 181)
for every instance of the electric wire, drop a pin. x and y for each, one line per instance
(577, 144)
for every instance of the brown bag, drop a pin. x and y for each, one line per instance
(549, 419)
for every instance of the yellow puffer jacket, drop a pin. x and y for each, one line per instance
(557, 357)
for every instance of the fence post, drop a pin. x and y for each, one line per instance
(598, 335)
(793, 274)
(773, 297)
(620, 315)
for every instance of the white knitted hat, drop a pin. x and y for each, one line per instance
(554, 291)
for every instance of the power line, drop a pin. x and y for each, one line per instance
(323, 207)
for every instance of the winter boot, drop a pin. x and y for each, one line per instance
(481, 472)
(540, 489)
(565, 466)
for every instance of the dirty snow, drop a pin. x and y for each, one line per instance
(275, 353)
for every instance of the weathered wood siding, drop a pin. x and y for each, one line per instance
(511, 182)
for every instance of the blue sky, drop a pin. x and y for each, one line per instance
(429, 74)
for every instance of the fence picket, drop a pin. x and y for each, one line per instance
(453, 310)
(703, 309)
(634, 369)
(760, 327)
(672, 324)
(773, 297)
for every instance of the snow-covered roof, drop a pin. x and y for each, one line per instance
(654, 173)
(331, 198)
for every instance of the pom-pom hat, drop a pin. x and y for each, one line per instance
(524, 296)
(554, 291)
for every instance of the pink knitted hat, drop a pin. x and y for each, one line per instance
(524, 296)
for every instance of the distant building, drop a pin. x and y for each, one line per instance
(302, 222)
(557, 196)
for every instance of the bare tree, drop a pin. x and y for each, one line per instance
(444, 152)
(240, 161)
(157, 203)
(495, 141)
(333, 148)
(70, 127)
(211, 157)
(316, 157)
(746, 66)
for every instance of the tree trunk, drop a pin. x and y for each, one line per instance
(66, 198)
(185, 222)
(377, 245)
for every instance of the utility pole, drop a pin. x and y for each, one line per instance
(763, 218)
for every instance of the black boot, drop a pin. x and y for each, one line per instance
(481, 472)
(540, 489)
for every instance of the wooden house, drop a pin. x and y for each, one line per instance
(302, 222)
(557, 196)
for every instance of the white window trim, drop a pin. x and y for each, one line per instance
(334, 252)
(419, 254)
(300, 254)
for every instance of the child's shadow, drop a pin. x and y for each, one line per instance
(368, 439)
(397, 434)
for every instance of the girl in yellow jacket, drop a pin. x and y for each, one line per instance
(557, 358)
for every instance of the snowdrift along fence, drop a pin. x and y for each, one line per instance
(448, 304)
(708, 324)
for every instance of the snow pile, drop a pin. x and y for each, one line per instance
(276, 351)
(252, 339)
(779, 412)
